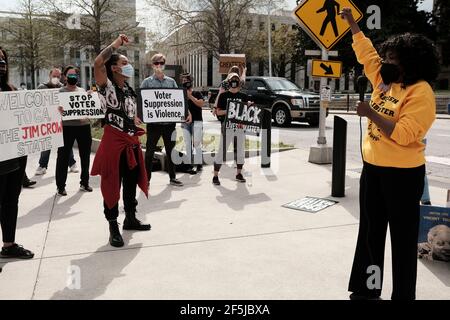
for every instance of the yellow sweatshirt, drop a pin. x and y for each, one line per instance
(412, 108)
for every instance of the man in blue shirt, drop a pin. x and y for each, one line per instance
(157, 130)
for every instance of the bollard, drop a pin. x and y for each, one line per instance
(266, 139)
(339, 157)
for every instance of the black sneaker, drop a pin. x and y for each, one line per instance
(16, 252)
(115, 238)
(216, 181)
(199, 168)
(240, 178)
(131, 223)
(28, 183)
(176, 183)
(62, 192)
(86, 188)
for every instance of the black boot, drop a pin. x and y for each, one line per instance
(132, 223)
(115, 239)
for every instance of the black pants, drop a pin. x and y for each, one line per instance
(82, 134)
(238, 141)
(10, 188)
(388, 196)
(128, 179)
(154, 133)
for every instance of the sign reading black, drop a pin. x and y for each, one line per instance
(241, 116)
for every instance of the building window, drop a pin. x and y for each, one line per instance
(137, 57)
(136, 39)
(261, 26)
(273, 27)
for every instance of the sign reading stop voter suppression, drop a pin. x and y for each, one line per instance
(241, 116)
(162, 105)
(29, 123)
(81, 105)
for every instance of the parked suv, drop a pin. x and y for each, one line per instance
(286, 101)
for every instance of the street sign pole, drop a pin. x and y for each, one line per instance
(322, 153)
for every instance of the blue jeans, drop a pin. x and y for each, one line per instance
(193, 137)
(45, 157)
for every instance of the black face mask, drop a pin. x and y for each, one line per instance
(389, 73)
(234, 84)
(187, 85)
(72, 80)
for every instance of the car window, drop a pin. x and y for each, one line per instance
(247, 84)
(258, 84)
(282, 85)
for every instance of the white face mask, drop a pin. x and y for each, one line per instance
(128, 71)
(54, 81)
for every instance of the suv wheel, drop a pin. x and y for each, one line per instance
(282, 116)
(314, 123)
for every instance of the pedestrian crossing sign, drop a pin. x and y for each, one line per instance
(321, 20)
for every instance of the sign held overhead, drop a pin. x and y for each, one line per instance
(229, 60)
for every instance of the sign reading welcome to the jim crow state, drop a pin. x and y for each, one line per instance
(241, 116)
(81, 105)
(162, 105)
(29, 123)
(226, 61)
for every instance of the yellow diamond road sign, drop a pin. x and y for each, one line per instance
(327, 69)
(321, 20)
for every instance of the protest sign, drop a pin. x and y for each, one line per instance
(434, 233)
(240, 116)
(81, 105)
(162, 105)
(29, 123)
(229, 60)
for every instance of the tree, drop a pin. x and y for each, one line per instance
(218, 26)
(443, 29)
(101, 21)
(30, 40)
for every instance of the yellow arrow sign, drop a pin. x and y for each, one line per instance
(327, 69)
(321, 20)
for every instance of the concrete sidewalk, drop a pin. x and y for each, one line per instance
(228, 242)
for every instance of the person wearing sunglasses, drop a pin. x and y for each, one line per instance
(157, 130)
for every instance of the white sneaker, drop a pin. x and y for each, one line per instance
(74, 169)
(41, 171)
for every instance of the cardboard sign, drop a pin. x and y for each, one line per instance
(434, 233)
(240, 116)
(29, 123)
(310, 204)
(162, 105)
(320, 19)
(81, 105)
(229, 60)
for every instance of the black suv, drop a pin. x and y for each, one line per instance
(286, 101)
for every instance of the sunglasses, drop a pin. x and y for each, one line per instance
(159, 63)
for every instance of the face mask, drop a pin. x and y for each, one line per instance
(389, 73)
(187, 85)
(54, 81)
(234, 84)
(72, 79)
(128, 71)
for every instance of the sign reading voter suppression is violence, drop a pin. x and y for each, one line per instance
(81, 105)
(29, 123)
(162, 105)
(241, 116)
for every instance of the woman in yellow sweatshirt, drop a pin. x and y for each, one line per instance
(401, 111)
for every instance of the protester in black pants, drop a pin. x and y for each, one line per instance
(11, 176)
(79, 130)
(119, 159)
(401, 111)
(165, 130)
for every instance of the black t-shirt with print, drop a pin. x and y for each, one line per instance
(120, 107)
(195, 110)
(229, 96)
